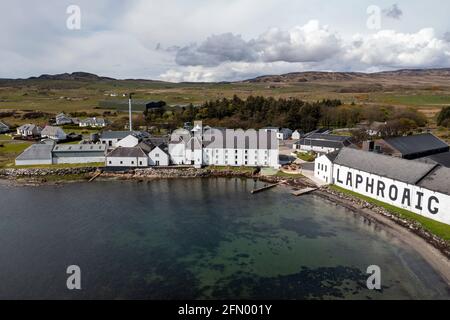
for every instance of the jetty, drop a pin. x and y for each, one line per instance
(304, 191)
(96, 175)
(267, 187)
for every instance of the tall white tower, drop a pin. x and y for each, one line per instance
(129, 111)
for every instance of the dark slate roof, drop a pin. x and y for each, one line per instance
(441, 158)
(325, 140)
(38, 151)
(328, 137)
(123, 134)
(127, 152)
(420, 144)
(438, 180)
(332, 156)
(386, 166)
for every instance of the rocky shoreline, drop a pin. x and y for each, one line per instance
(374, 213)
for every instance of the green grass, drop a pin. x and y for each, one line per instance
(231, 168)
(61, 166)
(441, 230)
(282, 174)
(417, 99)
(308, 157)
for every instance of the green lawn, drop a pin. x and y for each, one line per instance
(308, 157)
(231, 168)
(282, 174)
(61, 166)
(440, 229)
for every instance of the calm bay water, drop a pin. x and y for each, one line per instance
(196, 239)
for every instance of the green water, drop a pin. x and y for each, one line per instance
(197, 239)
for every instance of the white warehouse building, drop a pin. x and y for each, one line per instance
(422, 188)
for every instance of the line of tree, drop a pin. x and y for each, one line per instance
(444, 117)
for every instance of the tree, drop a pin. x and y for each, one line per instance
(444, 117)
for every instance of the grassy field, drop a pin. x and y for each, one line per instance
(10, 149)
(440, 229)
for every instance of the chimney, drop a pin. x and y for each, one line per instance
(129, 111)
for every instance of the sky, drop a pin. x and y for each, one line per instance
(220, 40)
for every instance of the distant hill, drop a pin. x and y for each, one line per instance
(420, 75)
(76, 76)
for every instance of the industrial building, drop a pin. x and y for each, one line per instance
(419, 187)
(321, 143)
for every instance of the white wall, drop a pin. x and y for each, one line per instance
(33, 162)
(177, 152)
(74, 160)
(126, 162)
(321, 150)
(158, 155)
(241, 157)
(433, 205)
(323, 169)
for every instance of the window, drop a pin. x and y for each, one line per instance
(157, 155)
(132, 162)
(121, 162)
(110, 162)
(140, 163)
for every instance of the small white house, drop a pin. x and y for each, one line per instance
(296, 135)
(159, 156)
(284, 134)
(29, 131)
(54, 133)
(127, 157)
(62, 119)
(93, 123)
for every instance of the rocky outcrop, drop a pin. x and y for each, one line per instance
(41, 172)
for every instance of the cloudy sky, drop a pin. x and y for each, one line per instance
(220, 40)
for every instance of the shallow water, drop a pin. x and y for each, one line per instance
(197, 239)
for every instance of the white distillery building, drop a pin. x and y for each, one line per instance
(224, 147)
(127, 157)
(112, 138)
(422, 188)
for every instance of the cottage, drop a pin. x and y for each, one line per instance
(79, 153)
(61, 119)
(297, 135)
(418, 187)
(322, 143)
(284, 134)
(127, 157)
(93, 123)
(29, 131)
(54, 133)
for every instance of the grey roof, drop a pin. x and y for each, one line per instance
(325, 140)
(123, 134)
(51, 131)
(127, 152)
(440, 158)
(80, 148)
(3, 125)
(37, 152)
(93, 121)
(438, 180)
(332, 155)
(386, 166)
(416, 145)
(28, 127)
(328, 137)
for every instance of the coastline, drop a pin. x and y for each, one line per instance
(432, 248)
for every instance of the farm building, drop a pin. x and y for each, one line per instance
(418, 187)
(411, 147)
(111, 138)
